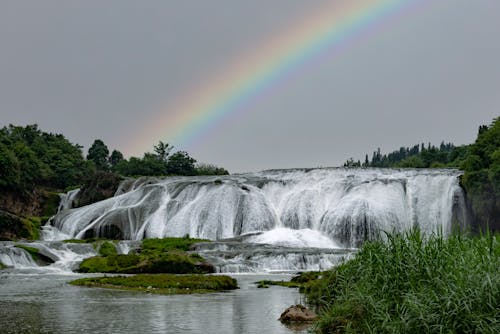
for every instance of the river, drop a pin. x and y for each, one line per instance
(34, 302)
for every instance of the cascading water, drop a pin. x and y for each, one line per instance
(273, 220)
(309, 219)
(348, 206)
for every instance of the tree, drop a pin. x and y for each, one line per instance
(209, 169)
(115, 158)
(98, 153)
(180, 163)
(163, 150)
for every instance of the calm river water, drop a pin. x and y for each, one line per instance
(45, 303)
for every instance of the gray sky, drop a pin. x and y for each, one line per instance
(100, 69)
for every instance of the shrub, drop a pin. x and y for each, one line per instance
(413, 284)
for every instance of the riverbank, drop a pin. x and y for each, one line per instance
(413, 284)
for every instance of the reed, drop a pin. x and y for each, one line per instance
(413, 283)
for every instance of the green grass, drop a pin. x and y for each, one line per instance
(107, 248)
(169, 244)
(412, 284)
(2, 266)
(155, 256)
(162, 283)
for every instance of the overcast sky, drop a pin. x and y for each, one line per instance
(99, 69)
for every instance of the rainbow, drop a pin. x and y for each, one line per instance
(255, 74)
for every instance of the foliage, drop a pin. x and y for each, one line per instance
(107, 248)
(301, 281)
(162, 150)
(98, 154)
(162, 283)
(412, 284)
(168, 244)
(418, 156)
(13, 227)
(180, 163)
(209, 169)
(97, 187)
(481, 179)
(167, 255)
(115, 158)
(30, 157)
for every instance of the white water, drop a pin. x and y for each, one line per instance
(65, 256)
(343, 207)
(291, 220)
(68, 200)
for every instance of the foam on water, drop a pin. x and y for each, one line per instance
(286, 237)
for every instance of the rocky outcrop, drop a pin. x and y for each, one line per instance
(37, 203)
(296, 314)
(13, 227)
(98, 187)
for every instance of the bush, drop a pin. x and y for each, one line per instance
(412, 284)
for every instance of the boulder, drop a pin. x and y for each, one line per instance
(297, 313)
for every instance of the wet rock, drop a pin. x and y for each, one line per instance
(297, 313)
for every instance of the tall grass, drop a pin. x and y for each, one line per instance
(413, 284)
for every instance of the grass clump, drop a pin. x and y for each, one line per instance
(162, 283)
(413, 284)
(301, 281)
(169, 244)
(107, 248)
(2, 266)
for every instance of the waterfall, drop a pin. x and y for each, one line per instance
(68, 200)
(336, 206)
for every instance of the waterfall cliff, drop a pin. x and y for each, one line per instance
(323, 208)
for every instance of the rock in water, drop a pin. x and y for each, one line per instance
(297, 313)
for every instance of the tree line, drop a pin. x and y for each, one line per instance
(417, 156)
(480, 162)
(30, 157)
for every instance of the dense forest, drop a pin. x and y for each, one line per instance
(480, 162)
(30, 157)
(35, 166)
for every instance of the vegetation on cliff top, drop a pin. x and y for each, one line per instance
(162, 283)
(413, 284)
(36, 165)
(480, 162)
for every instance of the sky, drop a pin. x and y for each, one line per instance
(115, 69)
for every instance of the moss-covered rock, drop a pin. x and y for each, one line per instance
(37, 256)
(13, 227)
(162, 283)
(169, 255)
(301, 281)
(107, 248)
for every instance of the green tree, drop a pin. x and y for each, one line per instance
(115, 158)
(98, 153)
(163, 150)
(180, 163)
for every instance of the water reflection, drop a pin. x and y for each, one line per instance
(40, 303)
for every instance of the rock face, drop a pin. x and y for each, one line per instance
(297, 313)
